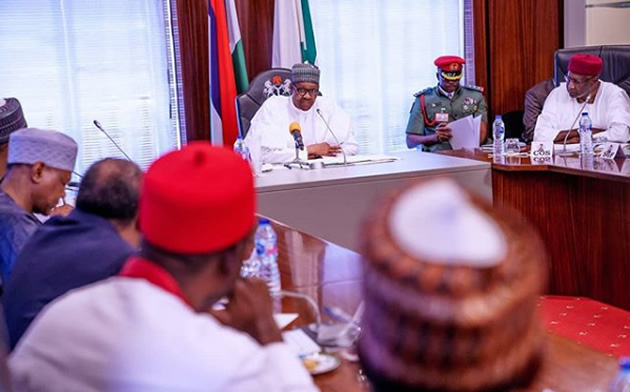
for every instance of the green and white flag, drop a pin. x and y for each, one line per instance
(293, 36)
(236, 47)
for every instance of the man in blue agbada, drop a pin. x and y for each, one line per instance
(39, 166)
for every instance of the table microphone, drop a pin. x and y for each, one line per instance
(98, 125)
(328, 335)
(566, 137)
(296, 132)
(345, 160)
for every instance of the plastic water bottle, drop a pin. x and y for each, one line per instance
(498, 135)
(586, 135)
(241, 148)
(266, 243)
(622, 380)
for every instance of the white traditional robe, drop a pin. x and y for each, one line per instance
(126, 334)
(270, 127)
(609, 111)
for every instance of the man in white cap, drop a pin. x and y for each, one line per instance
(39, 166)
(318, 117)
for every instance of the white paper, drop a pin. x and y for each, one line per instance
(284, 319)
(356, 159)
(465, 132)
(300, 342)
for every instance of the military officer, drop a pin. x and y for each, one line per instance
(437, 106)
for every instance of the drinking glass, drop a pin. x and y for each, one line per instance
(512, 146)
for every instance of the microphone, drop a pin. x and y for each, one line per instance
(566, 137)
(345, 159)
(98, 125)
(328, 335)
(296, 132)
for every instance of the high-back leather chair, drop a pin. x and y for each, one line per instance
(616, 63)
(275, 81)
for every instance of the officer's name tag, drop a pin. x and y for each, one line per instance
(441, 117)
(541, 153)
(612, 151)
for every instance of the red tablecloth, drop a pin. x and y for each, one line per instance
(595, 324)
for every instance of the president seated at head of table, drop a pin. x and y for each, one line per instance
(607, 105)
(325, 127)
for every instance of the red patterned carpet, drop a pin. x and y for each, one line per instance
(595, 324)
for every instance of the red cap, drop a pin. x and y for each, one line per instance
(586, 64)
(197, 200)
(450, 66)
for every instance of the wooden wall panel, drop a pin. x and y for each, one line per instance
(585, 224)
(519, 38)
(256, 20)
(193, 40)
(480, 30)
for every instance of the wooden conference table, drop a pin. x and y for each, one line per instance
(331, 275)
(331, 202)
(582, 211)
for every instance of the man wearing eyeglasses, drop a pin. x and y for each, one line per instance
(607, 105)
(325, 127)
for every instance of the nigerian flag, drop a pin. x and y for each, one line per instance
(293, 36)
(236, 47)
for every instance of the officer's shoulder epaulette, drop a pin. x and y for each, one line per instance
(476, 88)
(419, 93)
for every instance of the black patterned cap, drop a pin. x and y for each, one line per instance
(11, 118)
(304, 73)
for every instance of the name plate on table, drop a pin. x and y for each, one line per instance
(612, 151)
(541, 153)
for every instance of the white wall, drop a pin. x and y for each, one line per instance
(607, 25)
(595, 22)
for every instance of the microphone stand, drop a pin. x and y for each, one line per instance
(345, 159)
(324, 334)
(297, 162)
(98, 125)
(564, 152)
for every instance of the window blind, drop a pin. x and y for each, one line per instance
(374, 54)
(70, 62)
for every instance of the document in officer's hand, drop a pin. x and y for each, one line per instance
(465, 132)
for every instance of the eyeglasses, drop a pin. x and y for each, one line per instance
(302, 91)
(577, 82)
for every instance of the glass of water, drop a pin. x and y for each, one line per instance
(512, 146)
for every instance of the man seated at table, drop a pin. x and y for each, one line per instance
(150, 328)
(89, 245)
(325, 126)
(40, 164)
(435, 107)
(607, 105)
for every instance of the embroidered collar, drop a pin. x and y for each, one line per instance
(140, 268)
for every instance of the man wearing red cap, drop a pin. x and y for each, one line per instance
(607, 105)
(153, 328)
(437, 106)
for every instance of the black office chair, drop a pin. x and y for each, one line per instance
(513, 124)
(275, 81)
(616, 63)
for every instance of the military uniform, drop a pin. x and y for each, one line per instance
(467, 100)
(434, 106)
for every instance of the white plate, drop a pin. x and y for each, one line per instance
(319, 363)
